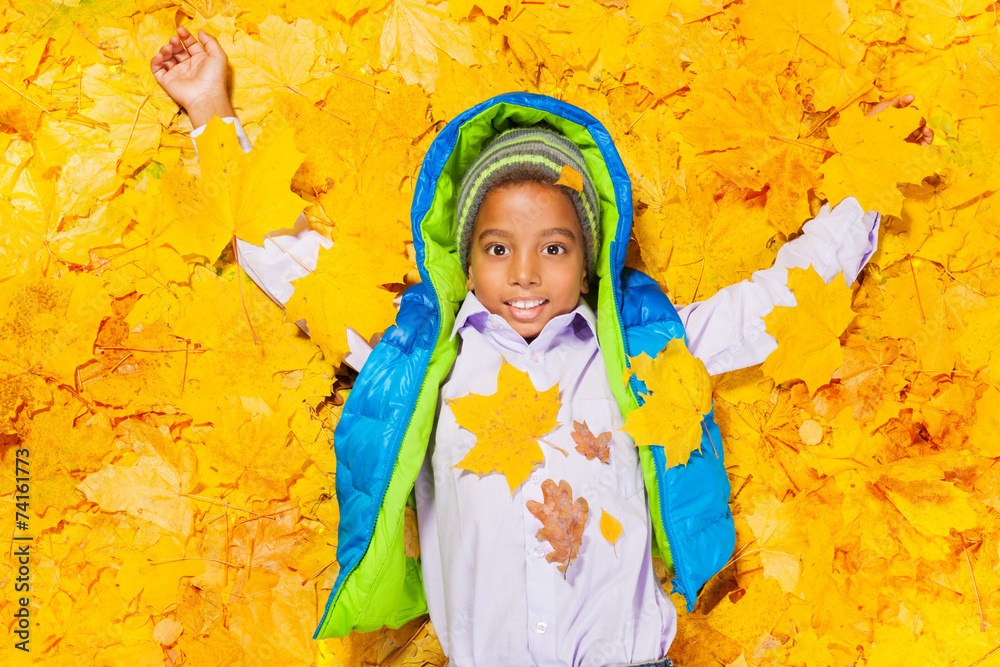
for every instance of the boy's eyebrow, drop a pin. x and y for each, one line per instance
(560, 231)
(504, 234)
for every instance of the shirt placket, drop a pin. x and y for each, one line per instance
(541, 593)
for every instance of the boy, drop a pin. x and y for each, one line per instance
(506, 256)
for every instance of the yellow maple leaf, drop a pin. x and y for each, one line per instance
(241, 340)
(507, 426)
(414, 35)
(808, 333)
(151, 490)
(242, 195)
(279, 56)
(770, 526)
(786, 25)
(129, 101)
(926, 304)
(745, 126)
(346, 277)
(872, 157)
(678, 394)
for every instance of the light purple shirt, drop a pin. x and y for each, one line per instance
(492, 596)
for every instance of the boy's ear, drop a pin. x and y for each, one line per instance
(585, 284)
(469, 284)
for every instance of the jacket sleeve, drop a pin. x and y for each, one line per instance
(727, 331)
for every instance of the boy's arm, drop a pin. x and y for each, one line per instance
(194, 72)
(838, 240)
(726, 331)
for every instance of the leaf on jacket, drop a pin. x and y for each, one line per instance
(808, 334)
(590, 445)
(507, 426)
(562, 520)
(611, 529)
(678, 394)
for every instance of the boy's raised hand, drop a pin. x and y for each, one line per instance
(923, 135)
(194, 72)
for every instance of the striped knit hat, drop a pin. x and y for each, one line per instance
(550, 154)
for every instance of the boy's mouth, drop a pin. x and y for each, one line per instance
(525, 309)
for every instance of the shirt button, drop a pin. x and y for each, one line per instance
(540, 552)
(535, 477)
(534, 357)
(540, 627)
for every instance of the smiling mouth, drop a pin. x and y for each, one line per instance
(525, 309)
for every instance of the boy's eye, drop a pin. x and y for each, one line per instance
(496, 249)
(554, 249)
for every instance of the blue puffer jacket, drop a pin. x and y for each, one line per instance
(388, 419)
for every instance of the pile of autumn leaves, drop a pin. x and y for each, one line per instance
(179, 430)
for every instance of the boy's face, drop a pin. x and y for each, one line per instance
(527, 259)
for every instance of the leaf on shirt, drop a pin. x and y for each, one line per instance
(808, 334)
(611, 529)
(507, 426)
(590, 445)
(678, 394)
(562, 520)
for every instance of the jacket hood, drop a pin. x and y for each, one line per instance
(460, 142)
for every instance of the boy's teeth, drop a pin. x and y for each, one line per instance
(527, 304)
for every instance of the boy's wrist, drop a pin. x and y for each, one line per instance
(202, 111)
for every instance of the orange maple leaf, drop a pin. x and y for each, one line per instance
(562, 520)
(590, 445)
(507, 426)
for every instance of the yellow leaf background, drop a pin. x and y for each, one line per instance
(179, 430)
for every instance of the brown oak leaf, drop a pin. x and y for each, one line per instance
(562, 522)
(590, 445)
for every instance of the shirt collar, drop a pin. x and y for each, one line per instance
(473, 313)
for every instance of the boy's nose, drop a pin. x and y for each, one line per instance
(524, 271)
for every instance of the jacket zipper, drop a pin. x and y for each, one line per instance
(660, 459)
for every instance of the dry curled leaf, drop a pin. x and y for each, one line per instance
(563, 521)
(590, 445)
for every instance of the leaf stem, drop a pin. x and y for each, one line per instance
(916, 288)
(564, 452)
(25, 96)
(985, 656)
(135, 120)
(982, 619)
(239, 284)
(174, 560)
(224, 504)
(409, 641)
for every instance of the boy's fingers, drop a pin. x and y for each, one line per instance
(896, 102)
(211, 45)
(189, 41)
